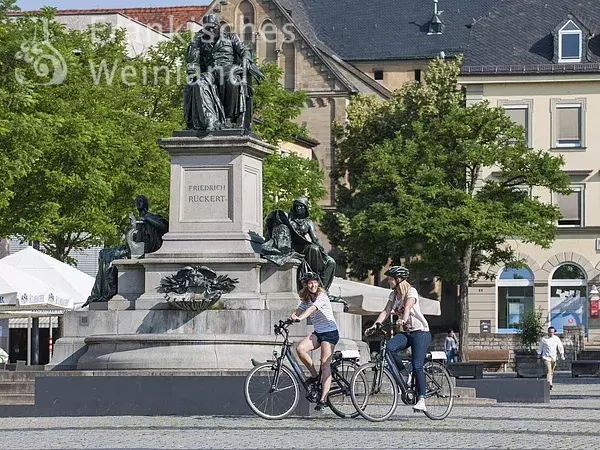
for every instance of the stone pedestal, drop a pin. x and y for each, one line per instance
(216, 221)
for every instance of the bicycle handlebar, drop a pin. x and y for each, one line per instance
(378, 329)
(283, 325)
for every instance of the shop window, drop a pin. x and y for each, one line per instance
(515, 296)
(568, 294)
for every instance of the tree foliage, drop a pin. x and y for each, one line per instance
(415, 189)
(287, 177)
(100, 147)
(21, 124)
(531, 329)
(276, 108)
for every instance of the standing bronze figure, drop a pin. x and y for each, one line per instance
(220, 73)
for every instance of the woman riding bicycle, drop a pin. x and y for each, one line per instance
(404, 301)
(315, 303)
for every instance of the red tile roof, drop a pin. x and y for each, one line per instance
(167, 19)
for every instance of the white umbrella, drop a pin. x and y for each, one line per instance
(19, 290)
(29, 296)
(53, 272)
(365, 299)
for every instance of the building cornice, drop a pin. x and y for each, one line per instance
(567, 77)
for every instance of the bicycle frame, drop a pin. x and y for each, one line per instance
(387, 360)
(287, 354)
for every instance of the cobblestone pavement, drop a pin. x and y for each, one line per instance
(569, 421)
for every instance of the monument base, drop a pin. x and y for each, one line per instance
(174, 339)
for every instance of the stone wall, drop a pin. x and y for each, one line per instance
(572, 339)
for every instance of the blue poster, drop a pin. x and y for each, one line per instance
(567, 307)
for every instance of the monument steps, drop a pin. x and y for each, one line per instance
(16, 387)
(17, 399)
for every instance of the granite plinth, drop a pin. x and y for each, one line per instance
(174, 339)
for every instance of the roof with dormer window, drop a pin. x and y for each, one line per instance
(521, 36)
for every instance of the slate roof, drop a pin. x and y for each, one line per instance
(366, 30)
(516, 37)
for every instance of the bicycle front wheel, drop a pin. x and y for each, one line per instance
(339, 398)
(439, 394)
(271, 393)
(374, 392)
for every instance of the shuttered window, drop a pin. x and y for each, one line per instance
(568, 126)
(570, 208)
(519, 115)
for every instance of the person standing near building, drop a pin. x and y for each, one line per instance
(451, 347)
(549, 349)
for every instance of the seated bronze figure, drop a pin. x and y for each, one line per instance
(292, 234)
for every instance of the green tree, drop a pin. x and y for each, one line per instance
(276, 108)
(415, 189)
(530, 329)
(101, 145)
(21, 124)
(287, 177)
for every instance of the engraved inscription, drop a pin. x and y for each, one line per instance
(205, 196)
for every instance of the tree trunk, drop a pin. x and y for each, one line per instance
(463, 344)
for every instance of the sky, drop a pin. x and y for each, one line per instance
(87, 4)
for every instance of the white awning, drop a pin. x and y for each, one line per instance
(22, 322)
(366, 299)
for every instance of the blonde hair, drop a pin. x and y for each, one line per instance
(304, 294)
(402, 288)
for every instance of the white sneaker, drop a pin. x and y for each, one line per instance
(420, 406)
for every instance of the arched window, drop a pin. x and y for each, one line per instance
(568, 294)
(246, 25)
(288, 64)
(515, 296)
(268, 42)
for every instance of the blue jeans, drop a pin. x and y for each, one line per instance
(451, 357)
(419, 342)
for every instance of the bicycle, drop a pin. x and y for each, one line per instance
(378, 399)
(272, 390)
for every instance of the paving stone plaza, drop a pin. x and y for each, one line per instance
(569, 421)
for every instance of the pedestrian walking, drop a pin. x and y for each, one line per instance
(549, 349)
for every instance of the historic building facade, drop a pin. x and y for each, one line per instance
(545, 70)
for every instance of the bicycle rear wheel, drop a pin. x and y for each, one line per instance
(269, 396)
(375, 398)
(439, 394)
(339, 398)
